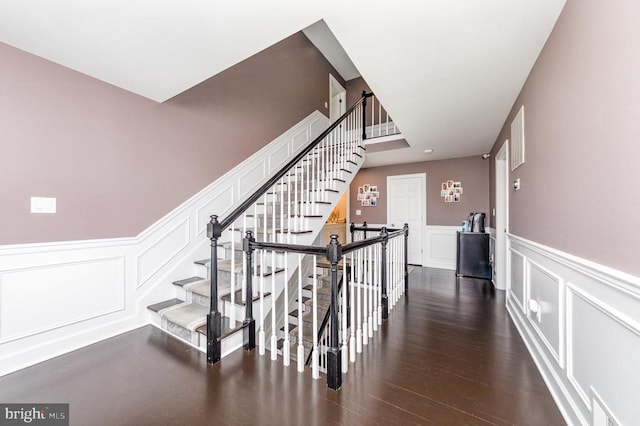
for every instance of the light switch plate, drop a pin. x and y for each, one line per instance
(358, 212)
(43, 205)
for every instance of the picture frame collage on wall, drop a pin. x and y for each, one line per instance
(451, 191)
(368, 195)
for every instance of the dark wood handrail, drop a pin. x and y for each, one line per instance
(347, 248)
(244, 206)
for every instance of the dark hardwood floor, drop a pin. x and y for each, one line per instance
(448, 355)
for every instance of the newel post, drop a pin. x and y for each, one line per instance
(249, 324)
(406, 257)
(214, 321)
(334, 355)
(352, 229)
(364, 233)
(383, 273)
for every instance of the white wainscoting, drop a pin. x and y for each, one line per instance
(57, 297)
(439, 247)
(585, 339)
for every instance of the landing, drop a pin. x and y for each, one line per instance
(448, 354)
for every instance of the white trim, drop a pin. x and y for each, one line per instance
(558, 355)
(336, 88)
(613, 293)
(624, 281)
(500, 272)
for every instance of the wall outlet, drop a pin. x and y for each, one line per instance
(358, 212)
(43, 205)
(516, 184)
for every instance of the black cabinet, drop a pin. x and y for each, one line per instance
(473, 255)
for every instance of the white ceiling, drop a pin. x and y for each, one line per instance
(448, 71)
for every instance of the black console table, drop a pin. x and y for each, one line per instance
(472, 258)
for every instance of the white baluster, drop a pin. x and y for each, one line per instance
(286, 348)
(373, 103)
(365, 298)
(379, 119)
(387, 124)
(274, 337)
(295, 199)
(232, 308)
(243, 285)
(379, 281)
(261, 332)
(352, 340)
(370, 283)
(359, 302)
(315, 373)
(374, 286)
(300, 354)
(345, 335)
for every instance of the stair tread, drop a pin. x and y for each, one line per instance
(156, 307)
(225, 265)
(182, 283)
(238, 297)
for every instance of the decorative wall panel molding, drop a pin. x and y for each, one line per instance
(38, 299)
(587, 338)
(440, 247)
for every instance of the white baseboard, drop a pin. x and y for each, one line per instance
(57, 297)
(586, 342)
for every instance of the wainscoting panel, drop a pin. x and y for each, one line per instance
(615, 350)
(39, 299)
(439, 248)
(251, 177)
(279, 157)
(300, 139)
(219, 203)
(546, 289)
(154, 258)
(587, 344)
(517, 269)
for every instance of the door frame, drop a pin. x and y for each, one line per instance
(501, 254)
(336, 88)
(423, 212)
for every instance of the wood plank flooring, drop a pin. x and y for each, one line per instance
(448, 355)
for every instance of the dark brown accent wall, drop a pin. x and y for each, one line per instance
(117, 162)
(473, 172)
(582, 102)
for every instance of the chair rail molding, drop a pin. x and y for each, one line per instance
(581, 323)
(126, 273)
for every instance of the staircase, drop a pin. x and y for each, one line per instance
(291, 209)
(262, 261)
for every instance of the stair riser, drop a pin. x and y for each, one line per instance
(181, 332)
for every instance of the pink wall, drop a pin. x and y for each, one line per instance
(473, 172)
(117, 162)
(582, 102)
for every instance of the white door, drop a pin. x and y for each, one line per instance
(502, 217)
(406, 203)
(337, 99)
